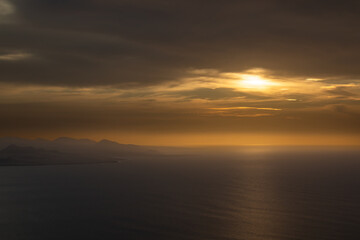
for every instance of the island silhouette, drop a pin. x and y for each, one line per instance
(64, 150)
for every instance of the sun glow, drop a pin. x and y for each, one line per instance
(254, 81)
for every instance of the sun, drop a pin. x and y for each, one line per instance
(254, 81)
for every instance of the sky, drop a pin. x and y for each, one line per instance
(156, 72)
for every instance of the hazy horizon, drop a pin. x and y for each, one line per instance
(200, 144)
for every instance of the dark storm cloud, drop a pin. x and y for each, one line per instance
(78, 42)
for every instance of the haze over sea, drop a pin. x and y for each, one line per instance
(246, 193)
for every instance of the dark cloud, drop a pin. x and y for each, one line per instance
(216, 94)
(78, 42)
(341, 92)
(54, 118)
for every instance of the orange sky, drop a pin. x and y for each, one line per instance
(208, 107)
(234, 73)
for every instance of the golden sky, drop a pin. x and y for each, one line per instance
(159, 73)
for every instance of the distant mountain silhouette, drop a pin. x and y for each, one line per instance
(13, 149)
(18, 151)
(18, 155)
(71, 145)
(67, 140)
(107, 142)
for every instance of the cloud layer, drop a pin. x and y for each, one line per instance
(131, 43)
(161, 67)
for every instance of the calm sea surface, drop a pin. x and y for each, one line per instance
(254, 194)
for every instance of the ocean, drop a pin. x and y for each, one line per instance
(247, 194)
